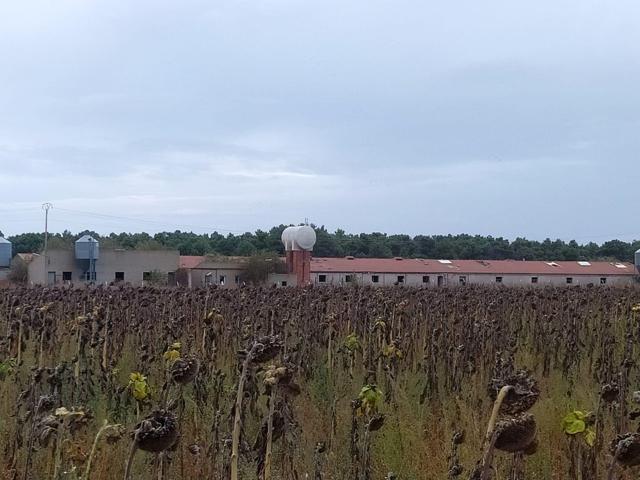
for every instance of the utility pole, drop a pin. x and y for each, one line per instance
(46, 207)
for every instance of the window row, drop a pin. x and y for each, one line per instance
(462, 279)
(222, 279)
(91, 276)
(399, 279)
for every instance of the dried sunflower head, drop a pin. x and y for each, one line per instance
(157, 432)
(516, 434)
(46, 429)
(184, 370)
(610, 392)
(266, 348)
(376, 422)
(522, 396)
(626, 449)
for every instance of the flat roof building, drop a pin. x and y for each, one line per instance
(135, 267)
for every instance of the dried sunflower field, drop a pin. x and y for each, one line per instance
(345, 383)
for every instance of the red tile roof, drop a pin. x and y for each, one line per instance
(27, 257)
(506, 267)
(191, 261)
(197, 261)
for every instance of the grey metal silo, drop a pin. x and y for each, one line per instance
(638, 261)
(87, 248)
(5, 253)
(87, 252)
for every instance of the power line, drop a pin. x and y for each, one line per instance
(142, 220)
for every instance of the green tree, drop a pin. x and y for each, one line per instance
(260, 265)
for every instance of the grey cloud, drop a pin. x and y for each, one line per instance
(492, 117)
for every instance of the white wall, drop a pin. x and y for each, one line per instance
(132, 262)
(384, 279)
(453, 279)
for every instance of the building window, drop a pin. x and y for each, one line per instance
(283, 283)
(462, 280)
(400, 279)
(569, 280)
(425, 279)
(222, 279)
(89, 276)
(375, 278)
(498, 279)
(534, 279)
(348, 278)
(146, 276)
(322, 278)
(119, 277)
(237, 279)
(66, 276)
(440, 280)
(603, 280)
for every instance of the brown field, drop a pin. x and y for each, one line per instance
(345, 384)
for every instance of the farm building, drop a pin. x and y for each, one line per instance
(384, 272)
(224, 272)
(439, 273)
(5, 258)
(303, 269)
(204, 271)
(87, 263)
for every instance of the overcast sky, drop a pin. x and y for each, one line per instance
(496, 117)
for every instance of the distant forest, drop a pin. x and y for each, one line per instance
(340, 244)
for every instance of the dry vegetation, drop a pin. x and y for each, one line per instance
(353, 383)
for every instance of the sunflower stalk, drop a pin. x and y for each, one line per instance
(237, 422)
(105, 426)
(490, 437)
(268, 455)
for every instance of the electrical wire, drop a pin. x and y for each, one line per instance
(144, 220)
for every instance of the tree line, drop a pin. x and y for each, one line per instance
(340, 244)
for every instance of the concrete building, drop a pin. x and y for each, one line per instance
(88, 263)
(5, 258)
(302, 269)
(440, 273)
(223, 272)
(227, 272)
(136, 267)
(208, 270)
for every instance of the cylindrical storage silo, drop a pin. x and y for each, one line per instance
(87, 248)
(638, 261)
(5, 253)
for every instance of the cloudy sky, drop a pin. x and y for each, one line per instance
(404, 116)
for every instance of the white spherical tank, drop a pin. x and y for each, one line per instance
(299, 238)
